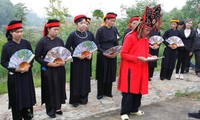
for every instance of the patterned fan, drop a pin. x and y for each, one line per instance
(85, 49)
(115, 49)
(176, 41)
(58, 54)
(155, 40)
(21, 58)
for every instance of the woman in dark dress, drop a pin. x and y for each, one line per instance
(170, 52)
(80, 67)
(106, 37)
(153, 50)
(53, 76)
(131, 26)
(187, 35)
(21, 90)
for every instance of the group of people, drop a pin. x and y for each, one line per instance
(135, 69)
(53, 75)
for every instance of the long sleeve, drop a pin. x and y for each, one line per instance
(193, 40)
(5, 59)
(98, 39)
(69, 43)
(30, 48)
(165, 37)
(127, 45)
(39, 53)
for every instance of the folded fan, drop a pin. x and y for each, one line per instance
(85, 49)
(155, 40)
(176, 41)
(115, 49)
(21, 58)
(58, 54)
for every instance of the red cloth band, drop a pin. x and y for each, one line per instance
(111, 16)
(53, 24)
(11, 27)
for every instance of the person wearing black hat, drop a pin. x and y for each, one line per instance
(53, 75)
(21, 90)
(80, 67)
(170, 52)
(106, 37)
(181, 24)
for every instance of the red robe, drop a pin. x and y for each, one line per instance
(133, 48)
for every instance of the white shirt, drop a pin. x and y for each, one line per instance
(187, 32)
(198, 30)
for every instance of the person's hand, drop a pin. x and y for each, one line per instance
(53, 64)
(172, 46)
(62, 63)
(142, 59)
(81, 57)
(190, 54)
(155, 47)
(113, 55)
(23, 70)
(89, 57)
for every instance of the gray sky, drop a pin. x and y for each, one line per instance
(76, 7)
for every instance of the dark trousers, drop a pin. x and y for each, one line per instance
(183, 57)
(26, 114)
(51, 109)
(78, 99)
(166, 73)
(130, 103)
(104, 88)
(197, 61)
(151, 71)
(187, 66)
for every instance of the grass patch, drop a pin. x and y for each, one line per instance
(193, 95)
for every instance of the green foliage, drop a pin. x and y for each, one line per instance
(194, 95)
(56, 10)
(6, 12)
(20, 11)
(98, 14)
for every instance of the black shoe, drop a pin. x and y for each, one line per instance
(99, 97)
(59, 112)
(109, 95)
(52, 115)
(75, 104)
(149, 79)
(194, 115)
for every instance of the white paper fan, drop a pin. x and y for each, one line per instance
(57, 54)
(21, 58)
(84, 48)
(155, 40)
(115, 49)
(175, 40)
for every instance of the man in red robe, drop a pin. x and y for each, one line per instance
(133, 74)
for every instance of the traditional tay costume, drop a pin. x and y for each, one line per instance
(106, 37)
(152, 65)
(133, 73)
(21, 90)
(80, 69)
(170, 55)
(52, 78)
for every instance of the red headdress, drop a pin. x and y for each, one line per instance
(50, 23)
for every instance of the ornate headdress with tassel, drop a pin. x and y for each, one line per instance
(150, 17)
